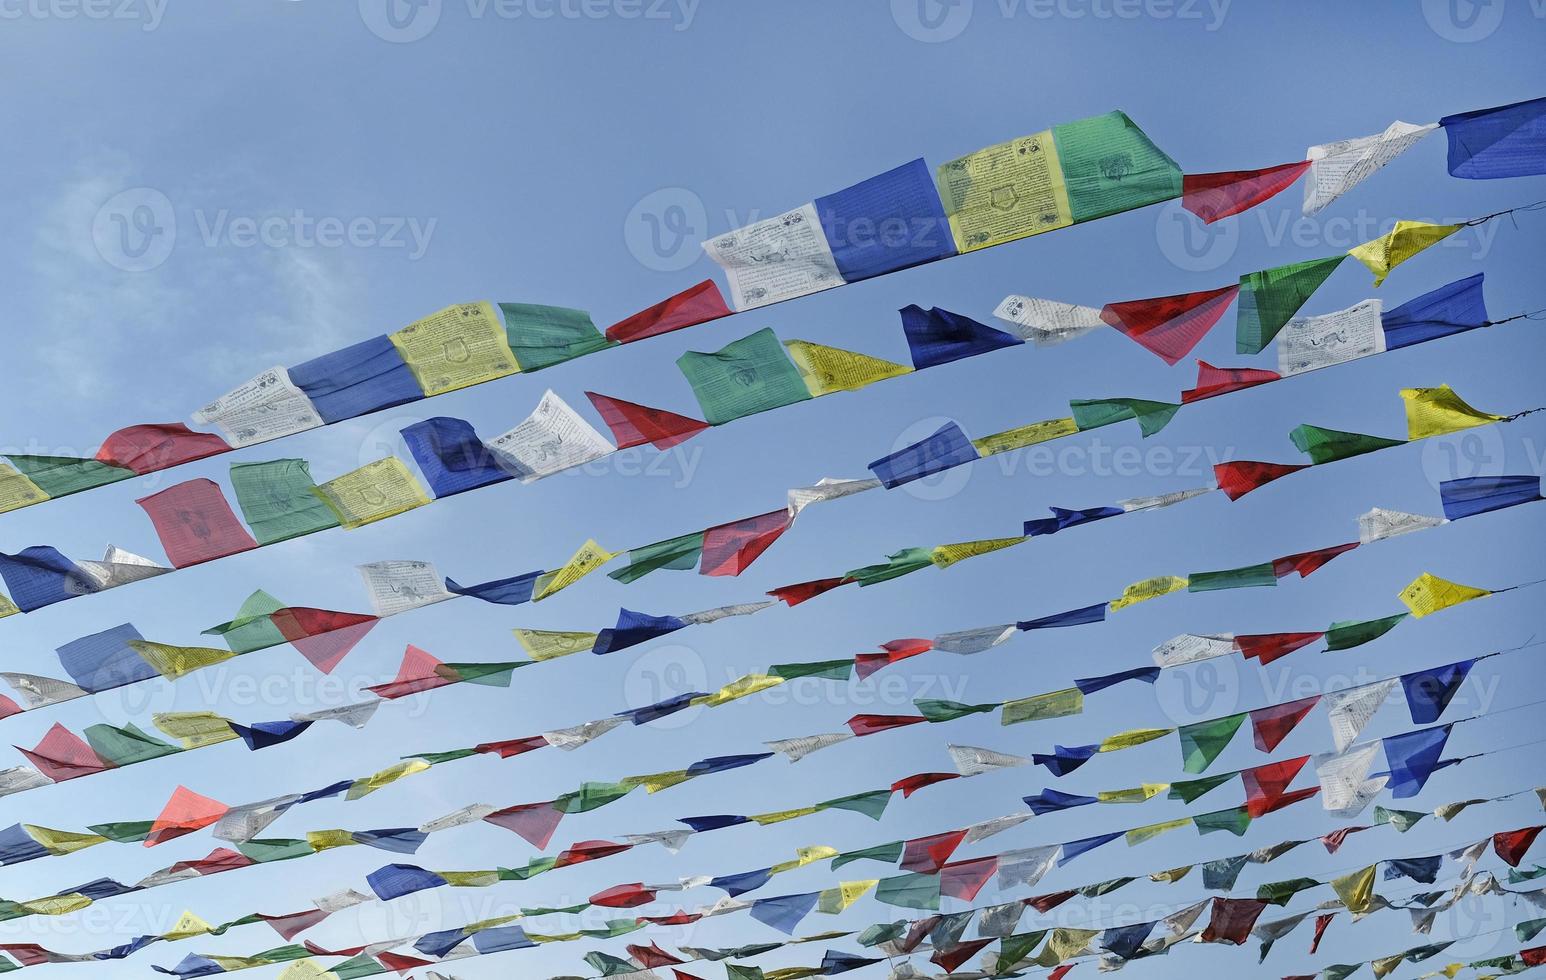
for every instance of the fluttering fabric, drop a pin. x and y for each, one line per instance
(1504, 141)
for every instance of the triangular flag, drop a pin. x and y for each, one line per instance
(634, 425)
(1399, 244)
(1428, 594)
(1170, 326)
(1215, 196)
(1439, 411)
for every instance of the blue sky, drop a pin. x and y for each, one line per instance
(526, 152)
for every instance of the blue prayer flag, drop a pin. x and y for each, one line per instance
(1453, 308)
(1064, 759)
(740, 884)
(504, 591)
(785, 912)
(946, 448)
(1505, 141)
(1074, 617)
(890, 221)
(937, 336)
(1089, 685)
(501, 938)
(724, 763)
(262, 734)
(451, 456)
(1423, 869)
(402, 840)
(716, 822)
(360, 379)
(1412, 758)
(397, 880)
(1051, 801)
(634, 628)
(103, 661)
(1428, 692)
(40, 576)
(1480, 494)
(660, 709)
(1073, 849)
(1063, 519)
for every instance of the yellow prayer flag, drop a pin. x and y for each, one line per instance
(1356, 890)
(557, 937)
(299, 970)
(1137, 794)
(55, 905)
(835, 900)
(795, 973)
(779, 816)
(173, 662)
(1005, 192)
(1025, 435)
(326, 840)
(195, 729)
(187, 926)
(739, 688)
(7, 607)
(1149, 588)
(459, 346)
(391, 774)
(1439, 411)
(1055, 704)
(1064, 943)
(1399, 244)
(657, 781)
(371, 493)
(806, 855)
(470, 879)
(1174, 874)
(1136, 736)
(1139, 835)
(552, 644)
(17, 491)
(1386, 965)
(945, 555)
(827, 369)
(590, 557)
(58, 842)
(1430, 594)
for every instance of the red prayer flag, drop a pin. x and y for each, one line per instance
(220, 860)
(927, 855)
(684, 976)
(1321, 922)
(964, 879)
(1240, 477)
(1271, 725)
(1268, 647)
(1046, 903)
(634, 425)
(688, 308)
(324, 637)
(795, 594)
(8, 707)
(949, 959)
(1535, 956)
(28, 954)
(1307, 562)
(624, 897)
(916, 933)
(729, 549)
(195, 523)
(1061, 971)
(399, 963)
(1215, 196)
(1232, 920)
(159, 446)
(870, 724)
(1216, 381)
(511, 747)
(63, 755)
(589, 850)
(1170, 326)
(1264, 785)
(533, 822)
(652, 956)
(292, 925)
(866, 664)
(674, 919)
(1289, 799)
(1512, 845)
(1334, 840)
(420, 671)
(319, 950)
(908, 785)
(184, 813)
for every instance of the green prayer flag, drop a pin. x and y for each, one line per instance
(1528, 929)
(885, 853)
(1202, 742)
(1249, 577)
(751, 375)
(1402, 820)
(1515, 876)
(903, 562)
(1347, 634)
(436, 758)
(123, 832)
(1110, 165)
(733, 972)
(936, 710)
(883, 932)
(591, 796)
(1279, 892)
(127, 745)
(59, 476)
(677, 554)
(252, 629)
(912, 891)
(1092, 413)
(1013, 949)
(827, 670)
(534, 867)
(549, 910)
(1235, 820)
(615, 928)
(1330, 445)
(1339, 971)
(277, 849)
(871, 804)
(489, 675)
(541, 336)
(1270, 298)
(355, 967)
(1104, 887)
(277, 501)
(1188, 790)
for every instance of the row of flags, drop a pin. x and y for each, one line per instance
(1069, 174)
